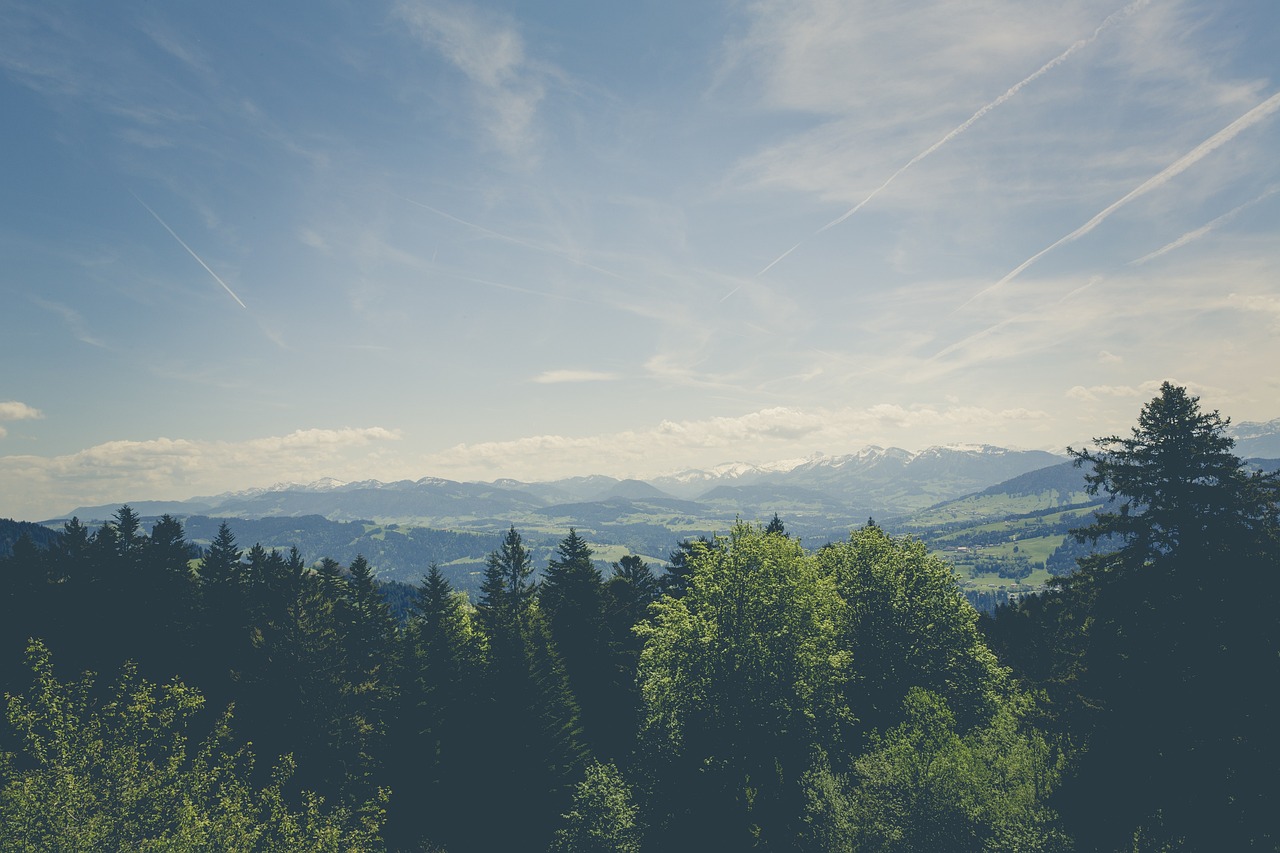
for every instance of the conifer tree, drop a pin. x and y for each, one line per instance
(571, 597)
(435, 728)
(1175, 642)
(528, 715)
(507, 590)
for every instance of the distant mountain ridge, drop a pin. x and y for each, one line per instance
(872, 480)
(1254, 439)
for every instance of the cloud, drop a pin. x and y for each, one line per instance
(1083, 394)
(487, 48)
(1258, 114)
(73, 319)
(761, 436)
(1264, 305)
(1144, 391)
(552, 377)
(12, 410)
(969, 122)
(171, 469)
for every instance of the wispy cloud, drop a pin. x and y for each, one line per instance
(487, 48)
(1258, 114)
(72, 318)
(969, 122)
(553, 377)
(528, 244)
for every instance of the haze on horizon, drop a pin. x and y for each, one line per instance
(251, 244)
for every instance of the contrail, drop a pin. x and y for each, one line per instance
(526, 244)
(968, 123)
(190, 251)
(1196, 234)
(1249, 119)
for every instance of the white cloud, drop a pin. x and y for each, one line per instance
(170, 469)
(489, 50)
(12, 410)
(760, 436)
(1258, 303)
(552, 377)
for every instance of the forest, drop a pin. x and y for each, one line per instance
(754, 695)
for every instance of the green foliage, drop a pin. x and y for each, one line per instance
(1176, 481)
(907, 625)
(1160, 657)
(508, 587)
(120, 774)
(739, 677)
(924, 785)
(604, 818)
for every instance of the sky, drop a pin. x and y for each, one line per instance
(251, 243)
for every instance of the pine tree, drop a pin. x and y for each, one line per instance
(1175, 639)
(572, 599)
(531, 738)
(435, 727)
(507, 590)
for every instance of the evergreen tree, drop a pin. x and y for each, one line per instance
(675, 581)
(368, 633)
(775, 525)
(571, 597)
(507, 590)
(433, 756)
(1175, 483)
(1172, 642)
(531, 737)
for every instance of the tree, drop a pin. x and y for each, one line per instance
(740, 678)
(1176, 482)
(122, 774)
(434, 742)
(906, 625)
(507, 589)
(1166, 651)
(368, 636)
(675, 581)
(529, 735)
(604, 819)
(571, 597)
(925, 785)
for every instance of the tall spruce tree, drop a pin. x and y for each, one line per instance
(531, 740)
(435, 730)
(571, 597)
(1176, 641)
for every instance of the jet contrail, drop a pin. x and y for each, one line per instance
(190, 251)
(517, 241)
(1013, 90)
(1249, 119)
(1196, 234)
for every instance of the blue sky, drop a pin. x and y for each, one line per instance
(250, 243)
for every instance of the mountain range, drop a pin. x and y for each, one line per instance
(873, 481)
